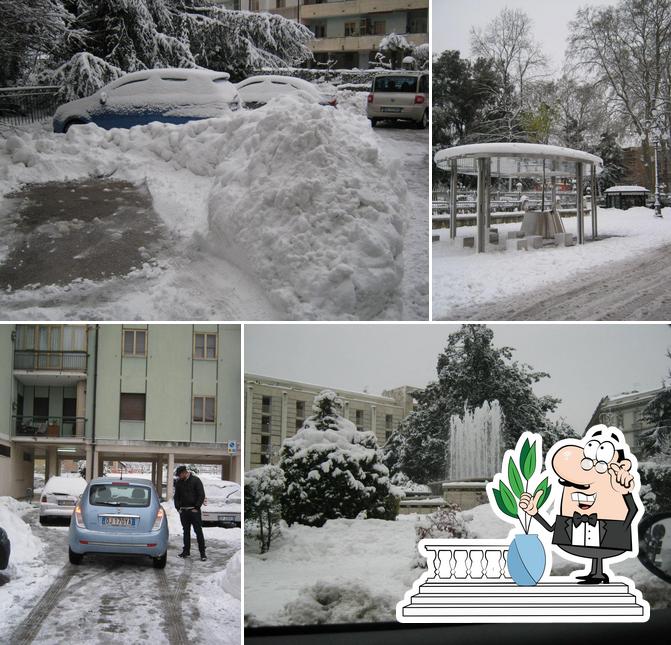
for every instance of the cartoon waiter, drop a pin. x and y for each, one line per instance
(598, 502)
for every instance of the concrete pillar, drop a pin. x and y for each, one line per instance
(595, 231)
(248, 426)
(80, 408)
(453, 198)
(159, 476)
(579, 203)
(235, 470)
(89, 462)
(283, 417)
(95, 472)
(482, 206)
(373, 419)
(169, 493)
(52, 461)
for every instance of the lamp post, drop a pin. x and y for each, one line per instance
(658, 204)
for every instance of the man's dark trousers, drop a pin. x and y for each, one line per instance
(189, 518)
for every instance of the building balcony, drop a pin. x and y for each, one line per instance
(290, 13)
(37, 367)
(359, 43)
(331, 9)
(40, 427)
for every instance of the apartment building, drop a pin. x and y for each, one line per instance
(624, 411)
(276, 408)
(163, 394)
(348, 32)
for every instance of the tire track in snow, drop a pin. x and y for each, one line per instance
(31, 625)
(173, 603)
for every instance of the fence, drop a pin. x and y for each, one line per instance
(23, 105)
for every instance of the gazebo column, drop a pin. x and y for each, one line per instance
(579, 205)
(483, 204)
(453, 199)
(595, 231)
(488, 191)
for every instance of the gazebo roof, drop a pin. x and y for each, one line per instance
(518, 159)
(627, 189)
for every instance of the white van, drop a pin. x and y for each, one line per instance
(399, 95)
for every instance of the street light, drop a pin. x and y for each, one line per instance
(658, 204)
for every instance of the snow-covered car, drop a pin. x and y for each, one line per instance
(119, 517)
(399, 95)
(222, 502)
(256, 91)
(167, 95)
(59, 496)
(5, 549)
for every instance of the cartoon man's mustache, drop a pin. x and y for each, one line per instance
(566, 483)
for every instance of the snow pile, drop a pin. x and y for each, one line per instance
(231, 578)
(464, 281)
(295, 194)
(24, 545)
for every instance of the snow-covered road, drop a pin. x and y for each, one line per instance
(109, 598)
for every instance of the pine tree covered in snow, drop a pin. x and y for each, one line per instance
(263, 492)
(102, 36)
(395, 47)
(471, 371)
(613, 161)
(333, 470)
(655, 442)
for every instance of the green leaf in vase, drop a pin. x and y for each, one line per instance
(514, 479)
(529, 462)
(523, 454)
(508, 500)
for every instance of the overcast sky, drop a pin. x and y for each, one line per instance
(585, 362)
(452, 21)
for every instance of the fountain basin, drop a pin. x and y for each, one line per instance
(466, 494)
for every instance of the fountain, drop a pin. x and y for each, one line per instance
(474, 454)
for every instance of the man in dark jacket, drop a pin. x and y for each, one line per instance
(189, 497)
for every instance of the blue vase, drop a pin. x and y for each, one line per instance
(526, 559)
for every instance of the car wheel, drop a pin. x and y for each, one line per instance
(374, 122)
(69, 124)
(424, 123)
(75, 558)
(159, 563)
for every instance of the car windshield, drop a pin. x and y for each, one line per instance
(120, 494)
(395, 84)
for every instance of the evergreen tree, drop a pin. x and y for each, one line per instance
(656, 441)
(263, 492)
(333, 470)
(471, 370)
(613, 161)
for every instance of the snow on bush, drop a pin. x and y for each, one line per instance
(327, 603)
(333, 470)
(83, 75)
(655, 485)
(446, 522)
(300, 198)
(263, 492)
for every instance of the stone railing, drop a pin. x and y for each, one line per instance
(465, 561)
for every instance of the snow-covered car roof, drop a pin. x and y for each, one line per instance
(626, 189)
(262, 88)
(66, 484)
(298, 83)
(518, 159)
(204, 76)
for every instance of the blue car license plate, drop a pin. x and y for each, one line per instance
(119, 521)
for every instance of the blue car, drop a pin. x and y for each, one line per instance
(121, 517)
(167, 95)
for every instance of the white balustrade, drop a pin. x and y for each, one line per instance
(462, 561)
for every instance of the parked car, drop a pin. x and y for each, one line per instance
(5, 549)
(256, 91)
(167, 95)
(119, 517)
(222, 502)
(399, 95)
(59, 496)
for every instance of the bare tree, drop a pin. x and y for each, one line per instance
(627, 50)
(509, 43)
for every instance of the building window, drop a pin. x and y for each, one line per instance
(379, 27)
(418, 22)
(359, 419)
(319, 29)
(387, 435)
(132, 407)
(203, 409)
(389, 421)
(300, 414)
(205, 346)
(350, 29)
(266, 424)
(253, 5)
(135, 342)
(280, 4)
(266, 449)
(266, 403)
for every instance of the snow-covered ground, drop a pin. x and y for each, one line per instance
(496, 284)
(105, 599)
(289, 211)
(357, 570)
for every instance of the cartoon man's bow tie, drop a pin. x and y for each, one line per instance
(579, 518)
